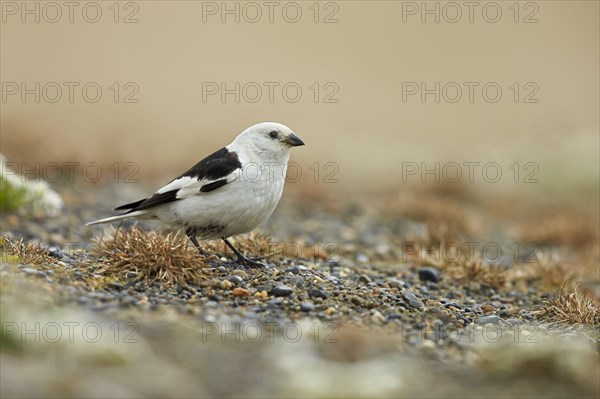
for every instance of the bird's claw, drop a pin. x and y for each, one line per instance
(251, 263)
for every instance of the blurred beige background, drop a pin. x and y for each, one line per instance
(373, 48)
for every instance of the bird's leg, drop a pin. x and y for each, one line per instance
(241, 259)
(191, 233)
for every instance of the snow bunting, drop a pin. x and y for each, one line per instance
(229, 192)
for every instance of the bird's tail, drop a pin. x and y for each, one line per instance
(135, 215)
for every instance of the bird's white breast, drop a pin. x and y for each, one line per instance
(238, 207)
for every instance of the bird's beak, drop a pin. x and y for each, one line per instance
(294, 140)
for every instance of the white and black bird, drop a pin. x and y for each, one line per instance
(229, 192)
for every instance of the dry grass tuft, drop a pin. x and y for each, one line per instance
(494, 276)
(567, 229)
(446, 218)
(151, 256)
(572, 306)
(25, 253)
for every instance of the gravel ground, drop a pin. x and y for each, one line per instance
(349, 314)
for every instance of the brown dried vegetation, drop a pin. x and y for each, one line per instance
(572, 306)
(24, 252)
(150, 256)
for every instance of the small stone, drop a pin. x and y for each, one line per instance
(356, 300)
(282, 290)
(488, 308)
(394, 283)
(318, 294)
(227, 284)
(307, 307)
(240, 292)
(413, 300)
(330, 310)
(30, 270)
(275, 302)
(493, 319)
(377, 317)
(297, 281)
(297, 269)
(235, 279)
(429, 274)
(264, 287)
(54, 251)
(364, 279)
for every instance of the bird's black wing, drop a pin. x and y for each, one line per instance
(207, 175)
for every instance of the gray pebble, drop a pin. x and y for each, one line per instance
(364, 279)
(282, 290)
(235, 279)
(395, 283)
(264, 287)
(30, 270)
(318, 294)
(307, 307)
(492, 319)
(413, 300)
(429, 274)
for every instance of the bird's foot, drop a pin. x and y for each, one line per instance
(251, 263)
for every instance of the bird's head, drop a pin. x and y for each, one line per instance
(270, 140)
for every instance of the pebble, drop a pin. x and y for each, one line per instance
(318, 294)
(377, 317)
(492, 319)
(307, 307)
(297, 269)
(394, 283)
(429, 274)
(488, 308)
(235, 279)
(364, 279)
(240, 292)
(32, 271)
(282, 290)
(413, 300)
(264, 287)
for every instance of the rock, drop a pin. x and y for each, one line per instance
(297, 269)
(395, 283)
(413, 300)
(297, 281)
(488, 308)
(377, 317)
(307, 307)
(429, 274)
(492, 319)
(364, 279)
(54, 251)
(32, 271)
(265, 287)
(235, 279)
(318, 294)
(356, 300)
(240, 292)
(282, 290)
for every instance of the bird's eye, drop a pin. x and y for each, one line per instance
(273, 134)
